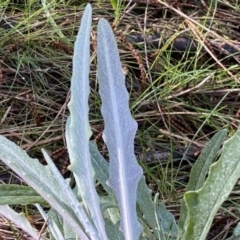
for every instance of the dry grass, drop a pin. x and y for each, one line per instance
(177, 98)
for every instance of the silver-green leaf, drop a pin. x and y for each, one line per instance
(204, 203)
(119, 131)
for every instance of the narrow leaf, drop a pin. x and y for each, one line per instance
(78, 129)
(19, 220)
(41, 179)
(55, 227)
(74, 203)
(119, 132)
(18, 194)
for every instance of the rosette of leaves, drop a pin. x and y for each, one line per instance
(127, 211)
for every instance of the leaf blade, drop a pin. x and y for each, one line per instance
(78, 129)
(18, 194)
(40, 178)
(20, 220)
(119, 132)
(203, 204)
(199, 172)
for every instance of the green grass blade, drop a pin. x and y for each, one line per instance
(46, 7)
(114, 4)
